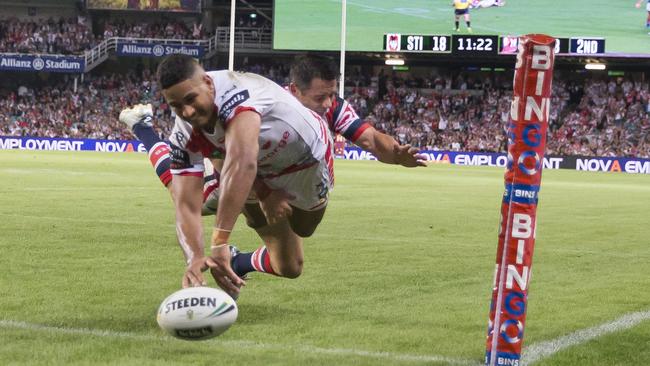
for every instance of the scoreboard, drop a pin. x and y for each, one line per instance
(484, 45)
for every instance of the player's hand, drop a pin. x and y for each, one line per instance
(276, 206)
(638, 5)
(219, 264)
(137, 113)
(408, 156)
(193, 276)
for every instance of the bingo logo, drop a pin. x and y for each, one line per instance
(536, 109)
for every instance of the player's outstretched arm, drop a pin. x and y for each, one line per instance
(237, 176)
(187, 197)
(388, 150)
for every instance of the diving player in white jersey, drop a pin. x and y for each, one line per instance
(314, 84)
(266, 138)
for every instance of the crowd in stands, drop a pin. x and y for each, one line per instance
(55, 110)
(591, 117)
(165, 29)
(62, 36)
(74, 35)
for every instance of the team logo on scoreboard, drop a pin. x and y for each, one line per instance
(393, 42)
(509, 44)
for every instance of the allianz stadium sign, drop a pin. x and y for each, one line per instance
(45, 63)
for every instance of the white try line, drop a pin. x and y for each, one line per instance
(547, 349)
(531, 354)
(306, 349)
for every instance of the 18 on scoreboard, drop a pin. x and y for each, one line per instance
(395, 42)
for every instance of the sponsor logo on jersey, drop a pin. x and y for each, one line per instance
(233, 102)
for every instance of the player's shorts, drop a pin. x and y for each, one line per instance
(308, 189)
(647, 6)
(461, 11)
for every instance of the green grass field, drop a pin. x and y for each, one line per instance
(316, 24)
(399, 273)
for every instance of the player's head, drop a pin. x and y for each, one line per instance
(313, 81)
(188, 90)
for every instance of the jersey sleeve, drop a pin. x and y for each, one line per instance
(344, 120)
(183, 161)
(249, 94)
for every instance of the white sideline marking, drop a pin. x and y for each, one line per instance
(531, 354)
(246, 344)
(546, 349)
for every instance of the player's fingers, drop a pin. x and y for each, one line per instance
(421, 156)
(413, 151)
(211, 263)
(196, 278)
(224, 282)
(186, 281)
(286, 211)
(199, 280)
(236, 280)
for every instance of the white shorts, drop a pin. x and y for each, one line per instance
(308, 188)
(647, 6)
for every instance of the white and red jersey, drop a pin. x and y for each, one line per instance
(292, 137)
(344, 120)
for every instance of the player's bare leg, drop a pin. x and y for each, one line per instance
(284, 248)
(282, 252)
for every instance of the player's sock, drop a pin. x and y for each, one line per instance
(468, 24)
(146, 134)
(259, 261)
(158, 150)
(457, 23)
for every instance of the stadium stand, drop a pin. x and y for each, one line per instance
(451, 110)
(596, 118)
(52, 36)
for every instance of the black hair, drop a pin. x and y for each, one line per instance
(175, 69)
(306, 68)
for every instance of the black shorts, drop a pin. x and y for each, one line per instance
(461, 11)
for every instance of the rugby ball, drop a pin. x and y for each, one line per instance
(197, 313)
